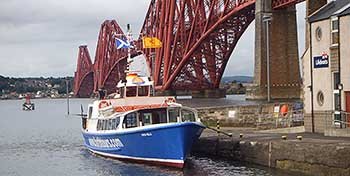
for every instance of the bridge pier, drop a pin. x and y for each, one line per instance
(285, 80)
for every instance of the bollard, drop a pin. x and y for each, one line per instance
(218, 127)
(284, 137)
(300, 137)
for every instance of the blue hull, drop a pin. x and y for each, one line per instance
(167, 144)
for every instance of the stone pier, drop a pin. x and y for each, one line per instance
(312, 155)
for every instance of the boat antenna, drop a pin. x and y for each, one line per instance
(81, 110)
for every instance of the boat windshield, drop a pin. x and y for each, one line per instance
(187, 115)
(174, 115)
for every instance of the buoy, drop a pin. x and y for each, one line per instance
(284, 110)
(28, 105)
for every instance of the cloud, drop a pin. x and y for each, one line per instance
(41, 37)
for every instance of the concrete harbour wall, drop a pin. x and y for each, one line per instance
(310, 157)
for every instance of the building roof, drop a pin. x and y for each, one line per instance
(345, 12)
(334, 8)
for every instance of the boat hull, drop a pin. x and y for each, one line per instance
(164, 144)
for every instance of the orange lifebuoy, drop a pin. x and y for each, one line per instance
(284, 110)
(103, 104)
(170, 100)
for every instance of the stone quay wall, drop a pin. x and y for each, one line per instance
(310, 157)
(261, 116)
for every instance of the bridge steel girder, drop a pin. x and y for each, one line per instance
(87, 86)
(279, 4)
(198, 39)
(107, 55)
(84, 72)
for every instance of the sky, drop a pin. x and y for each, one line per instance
(41, 37)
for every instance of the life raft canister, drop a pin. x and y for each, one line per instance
(103, 104)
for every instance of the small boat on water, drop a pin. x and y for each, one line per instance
(134, 125)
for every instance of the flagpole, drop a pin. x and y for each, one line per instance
(128, 38)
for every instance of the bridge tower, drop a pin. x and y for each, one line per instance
(285, 79)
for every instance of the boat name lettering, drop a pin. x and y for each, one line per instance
(106, 143)
(146, 134)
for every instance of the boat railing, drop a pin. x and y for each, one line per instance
(291, 118)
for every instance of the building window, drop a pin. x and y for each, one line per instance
(318, 34)
(336, 92)
(336, 80)
(320, 98)
(334, 31)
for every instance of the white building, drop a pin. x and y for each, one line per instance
(326, 69)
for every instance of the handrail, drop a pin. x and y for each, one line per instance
(219, 131)
(342, 122)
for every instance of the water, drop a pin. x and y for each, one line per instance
(46, 142)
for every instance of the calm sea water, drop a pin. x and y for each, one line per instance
(46, 142)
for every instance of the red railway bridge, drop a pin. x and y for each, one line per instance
(198, 38)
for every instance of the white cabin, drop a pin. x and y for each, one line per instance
(134, 107)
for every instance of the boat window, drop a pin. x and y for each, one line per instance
(163, 116)
(143, 90)
(173, 114)
(107, 124)
(110, 125)
(116, 122)
(146, 118)
(153, 116)
(159, 116)
(104, 127)
(99, 125)
(131, 91)
(188, 116)
(130, 120)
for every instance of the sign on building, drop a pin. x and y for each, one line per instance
(321, 61)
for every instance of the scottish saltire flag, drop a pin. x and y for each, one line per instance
(120, 43)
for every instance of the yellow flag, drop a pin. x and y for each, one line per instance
(151, 42)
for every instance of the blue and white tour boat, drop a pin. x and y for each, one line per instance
(133, 125)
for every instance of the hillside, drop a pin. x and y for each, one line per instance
(239, 79)
(32, 85)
